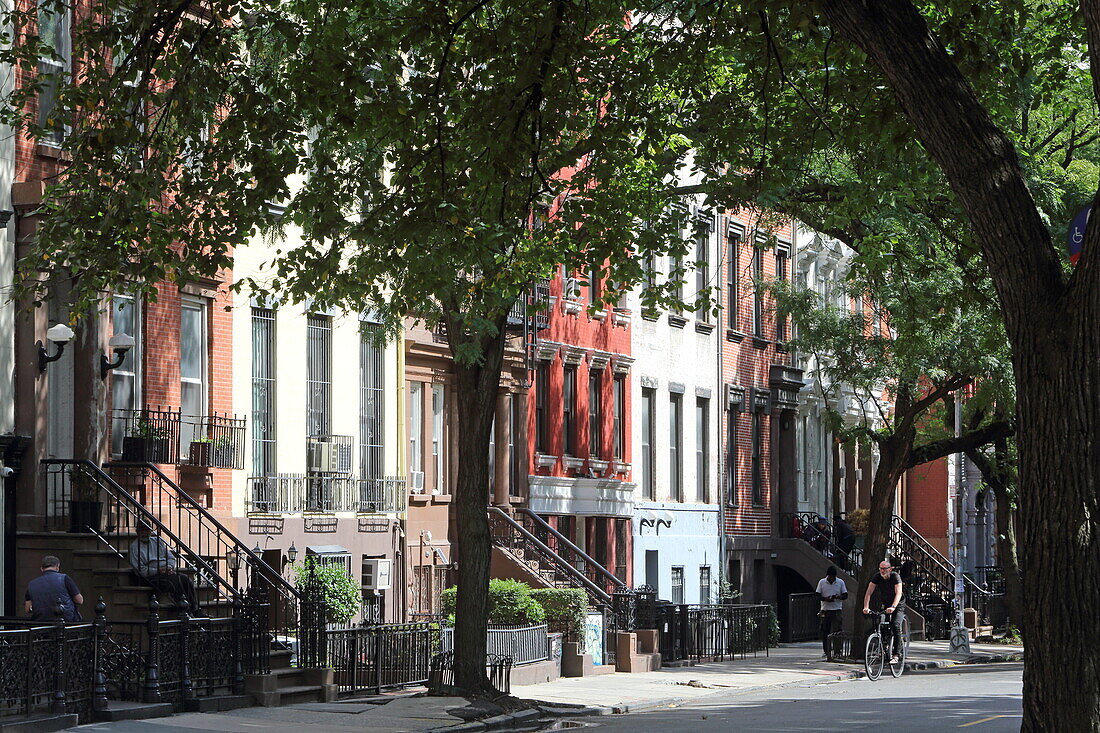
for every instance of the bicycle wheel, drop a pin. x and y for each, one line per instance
(874, 656)
(896, 668)
(905, 635)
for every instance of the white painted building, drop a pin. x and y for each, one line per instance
(7, 329)
(677, 400)
(324, 456)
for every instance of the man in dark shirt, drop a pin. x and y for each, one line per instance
(52, 595)
(889, 598)
(845, 538)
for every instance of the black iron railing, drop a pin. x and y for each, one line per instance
(710, 632)
(525, 547)
(802, 525)
(498, 668)
(279, 494)
(380, 495)
(524, 644)
(375, 658)
(167, 436)
(803, 622)
(569, 553)
(216, 440)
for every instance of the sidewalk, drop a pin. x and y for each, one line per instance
(792, 664)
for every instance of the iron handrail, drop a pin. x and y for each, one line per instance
(124, 499)
(615, 580)
(906, 531)
(591, 587)
(182, 497)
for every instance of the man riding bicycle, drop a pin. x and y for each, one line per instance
(887, 589)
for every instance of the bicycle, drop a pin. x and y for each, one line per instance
(874, 653)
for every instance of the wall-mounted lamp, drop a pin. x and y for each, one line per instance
(120, 343)
(59, 334)
(257, 550)
(233, 557)
(292, 554)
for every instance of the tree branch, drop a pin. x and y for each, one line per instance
(961, 444)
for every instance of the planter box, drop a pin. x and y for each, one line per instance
(201, 454)
(145, 450)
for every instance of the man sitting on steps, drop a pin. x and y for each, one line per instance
(155, 562)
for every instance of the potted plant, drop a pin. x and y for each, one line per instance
(202, 452)
(145, 443)
(859, 519)
(85, 506)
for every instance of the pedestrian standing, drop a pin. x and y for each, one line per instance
(832, 591)
(52, 596)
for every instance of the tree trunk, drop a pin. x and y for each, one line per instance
(893, 453)
(1055, 353)
(476, 387)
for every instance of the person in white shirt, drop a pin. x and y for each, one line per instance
(832, 592)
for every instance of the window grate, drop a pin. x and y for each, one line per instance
(263, 392)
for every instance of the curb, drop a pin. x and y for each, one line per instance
(497, 721)
(973, 659)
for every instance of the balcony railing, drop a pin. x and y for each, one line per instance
(167, 436)
(380, 495)
(330, 453)
(302, 494)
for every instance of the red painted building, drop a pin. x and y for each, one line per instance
(578, 423)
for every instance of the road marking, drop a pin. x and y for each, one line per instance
(983, 720)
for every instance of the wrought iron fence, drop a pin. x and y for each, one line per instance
(803, 622)
(524, 644)
(709, 632)
(295, 493)
(46, 668)
(498, 667)
(377, 495)
(150, 435)
(374, 658)
(279, 494)
(328, 494)
(216, 440)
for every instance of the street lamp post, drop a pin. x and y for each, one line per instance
(960, 637)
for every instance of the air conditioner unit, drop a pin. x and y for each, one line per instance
(324, 457)
(376, 573)
(416, 482)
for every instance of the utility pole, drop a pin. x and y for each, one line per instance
(960, 637)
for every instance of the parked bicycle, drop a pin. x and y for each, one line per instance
(875, 654)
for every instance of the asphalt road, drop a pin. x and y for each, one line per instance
(972, 698)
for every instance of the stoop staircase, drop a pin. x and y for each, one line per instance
(540, 554)
(126, 494)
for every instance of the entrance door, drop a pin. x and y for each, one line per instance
(652, 571)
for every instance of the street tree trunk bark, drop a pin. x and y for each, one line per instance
(476, 387)
(1056, 350)
(893, 456)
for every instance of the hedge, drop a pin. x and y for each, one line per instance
(510, 604)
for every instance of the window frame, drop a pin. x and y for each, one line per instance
(676, 447)
(595, 399)
(264, 416)
(569, 410)
(702, 450)
(649, 441)
(676, 589)
(757, 458)
(319, 375)
(372, 403)
(542, 400)
(618, 388)
(192, 429)
(133, 359)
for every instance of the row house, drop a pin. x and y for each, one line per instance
(579, 421)
(677, 393)
(324, 466)
(11, 444)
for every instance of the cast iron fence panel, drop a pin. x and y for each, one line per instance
(524, 644)
(213, 654)
(803, 621)
(498, 668)
(46, 668)
(375, 658)
(714, 632)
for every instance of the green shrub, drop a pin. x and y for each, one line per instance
(342, 595)
(564, 607)
(510, 604)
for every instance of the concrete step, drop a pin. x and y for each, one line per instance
(301, 693)
(218, 703)
(121, 710)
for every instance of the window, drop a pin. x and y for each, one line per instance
(757, 459)
(416, 427)
(704, 585)
(676, 270)
(735, 577)
(675, 447)
(570, 285)
(731, 458)
(757, 296)
(781, 257)
(702, 460)
(125, 378)
(437, 437)
(194, 350)
(619, 396)
(53, 31)
(733, 297)
(372, 403)
(678, 584)
(594, 414)
(319, 369)
(649, 441)
(601, 538)
(621, 538)
(594, 289)
(542, 397)
(650, 287)
(263, 392)
(569, 410)
(517, 449)
(702, 274)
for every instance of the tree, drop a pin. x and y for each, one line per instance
(415, 146)
(884, 118)
(902, 360)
